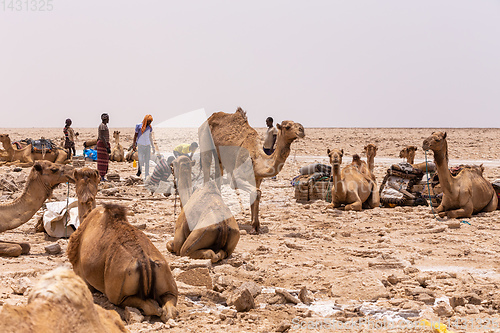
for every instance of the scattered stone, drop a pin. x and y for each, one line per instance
(454, 225)
(305, 296)
(393, 279)
(345, 234)
(422, 279)
(363, 285)
(473, 298)
(252, 287)
(186, 263)
(199, 276)
(288, 297)
(21, 285)
(410, 270)
(110, 191)
(426, 298)
(457, 301)
(115, 177)
(284, 326)
(17, 169)
(443, 309)
(243, 232)
(471, 309)
(291, 245)
(53, 248)
(133, 315)
(242, 300)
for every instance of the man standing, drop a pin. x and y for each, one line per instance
(270, 137)
(143, 140)
(69, 138)
(103, 146)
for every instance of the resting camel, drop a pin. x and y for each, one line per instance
(132, 155)
(351, 187)
(60, 303)
(464, 194)
(238, 148)
(366, 168)
(25, 155)
(117, 154)
(41, 181)
(116, 258)
(206, 228)
(408, 152)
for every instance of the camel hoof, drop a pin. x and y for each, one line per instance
(169, 312)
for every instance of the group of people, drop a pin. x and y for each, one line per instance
(144, 143)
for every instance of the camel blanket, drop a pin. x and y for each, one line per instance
(59, 221)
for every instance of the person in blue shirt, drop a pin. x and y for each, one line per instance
(144, 142)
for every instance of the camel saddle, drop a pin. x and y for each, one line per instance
(41, 145)
(398, 183)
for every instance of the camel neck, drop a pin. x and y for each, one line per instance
(184, 187)
(370, 161)
(410, 159)
(441, 159)
(21, 210)
(337, 180)
(276, 160)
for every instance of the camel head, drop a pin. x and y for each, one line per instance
(116, 134)
(371, 150)
(435, 142)
(86, 189)
(408, 152)
(335, 156)
(52, 174)
(290, 130)
(4, 138)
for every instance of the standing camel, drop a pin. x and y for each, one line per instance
(238, 149)
(464, 194)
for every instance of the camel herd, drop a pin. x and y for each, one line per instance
(110, 255)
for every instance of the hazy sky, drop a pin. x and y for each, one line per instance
(332, 63)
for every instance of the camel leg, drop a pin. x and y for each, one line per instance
(198, 243)
(357, 206)
(167, 289)
(254, 209)
(150, 307)
(179, 235)
(232, 241)
(492, 205)
(465, 211)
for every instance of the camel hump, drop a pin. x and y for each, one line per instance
(356, 158)
(117, 212)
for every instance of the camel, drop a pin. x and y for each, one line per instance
(116, 258)
(464, 194)
(59, 303)
(90, 144)
(351, 187)
(408, 152)
(132, 155)
(117, 154)
(367, 168)
(41, 181)
(205, 228)
(25, 155)
(238, 148)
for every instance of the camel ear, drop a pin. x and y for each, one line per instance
(278, 126)
(342, 152)
(37, 167)
(328, 151)
(96, 174)
(444, 137)
(366, 148)
(193, 163)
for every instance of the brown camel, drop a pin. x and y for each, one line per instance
(408, 152)
(116, 258)
(117, 154)
(25, 155)
(367, 168)
(206, 228)
(60, 303)
(351, 187)
(132, 155)
(464, 194)
(42, 180)
(238, 149)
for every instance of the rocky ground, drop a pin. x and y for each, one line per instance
(313, 268)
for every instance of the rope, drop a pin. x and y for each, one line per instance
(67, 213)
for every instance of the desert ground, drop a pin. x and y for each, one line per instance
(378, 270)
